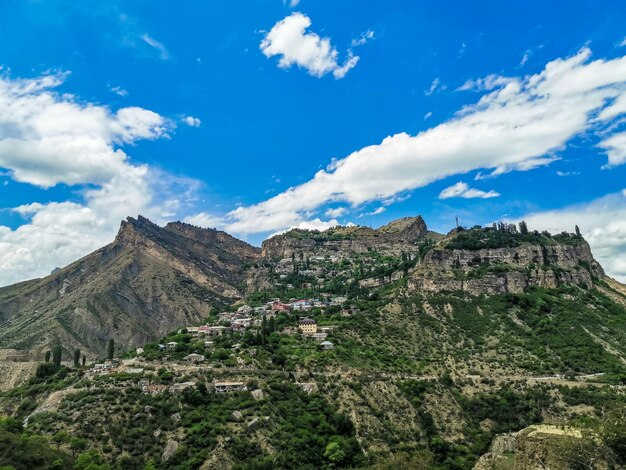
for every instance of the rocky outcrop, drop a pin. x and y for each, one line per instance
(397, 236)
(501, 270)
(547, 446)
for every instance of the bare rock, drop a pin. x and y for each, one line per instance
(170, 449)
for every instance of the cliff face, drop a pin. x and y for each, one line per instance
(146, 283)
(397, 236)
(547, 446)
(499, 270)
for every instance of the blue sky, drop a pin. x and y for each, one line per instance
(230, 104)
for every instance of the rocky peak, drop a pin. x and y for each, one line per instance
(399, 235)
(131, 229)
(407, 228)
(215, 238)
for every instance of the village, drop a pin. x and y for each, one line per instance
(147, 369)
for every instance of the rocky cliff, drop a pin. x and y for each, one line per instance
(397, 236)
(543, 261)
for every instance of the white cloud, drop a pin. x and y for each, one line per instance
(615, 149)
(290, 40)
(47, 139)
(487, 83)
(462, 190)
(602, 222)
(525, 58)
(192, 121)
(435, 86)
(315, 224)
(363, 38)
(517, 126)
(291, 3)
(623, 43)
(205, 220)
(377, 211)
(119, 91)
(567, 173)
(164, 54)
(428, 115)
(336, 212)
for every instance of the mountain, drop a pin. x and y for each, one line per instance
(497, 346)
(149, 281)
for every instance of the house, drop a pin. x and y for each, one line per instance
(153, 389)
(327, 345)
(192, 330)
(244, 309)
(143, 384)
(300, 305)
(217, 330)
(327, 329)
(308, 326)
(245, 322)
(193, 357)
(171, 345)
(208, 344)
(179, 387)
(221, 387)
(203, 330)
(134, 370)
(319, 336)
(281, 307)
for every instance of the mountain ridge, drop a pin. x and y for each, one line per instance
(151, 279)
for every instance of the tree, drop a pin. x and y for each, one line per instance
(84, 360)
(334, 452)
(76, 357)
(91, 460)
(271, 325)
(577, 231)
(77, 444)
(60, 437)
(111, 348)
(57, 353)
(523, 228)
(48, 354)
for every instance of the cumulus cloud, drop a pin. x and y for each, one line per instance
(519, 125)
(290, 40)
(602, 222)
(461, 189)
(48, 138)
(192, 121)
(336, 212)
(205, 220)
(315, 224)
